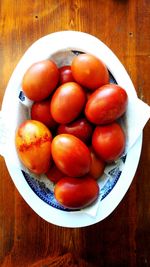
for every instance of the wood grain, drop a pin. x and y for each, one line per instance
(123, 239)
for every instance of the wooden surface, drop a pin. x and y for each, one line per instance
(123, 239)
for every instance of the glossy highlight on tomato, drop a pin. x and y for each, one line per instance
(75, 193)
(71, 155)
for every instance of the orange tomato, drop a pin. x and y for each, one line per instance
(89, 71)
(40, 80)
(67, 102)
(71, 155)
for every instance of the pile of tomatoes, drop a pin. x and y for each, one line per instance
(73, 131)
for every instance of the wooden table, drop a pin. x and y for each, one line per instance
(123, 239)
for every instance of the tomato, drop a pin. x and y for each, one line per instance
(65, 75)
(89, 71)
(71, 155)
(106, 104)
(108, 141)
(67, 102)
(97, 165)
(54, 174)
(75, 193)
(80, 128)
(33, 144)
(40, 111)
(40, 80)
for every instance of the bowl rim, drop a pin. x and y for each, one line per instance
(71, 40)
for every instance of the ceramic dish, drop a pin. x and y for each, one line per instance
(38, 191)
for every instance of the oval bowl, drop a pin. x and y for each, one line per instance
(38, 192)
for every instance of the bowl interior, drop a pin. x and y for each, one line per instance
(41, 185)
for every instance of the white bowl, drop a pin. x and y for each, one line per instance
(38, 193)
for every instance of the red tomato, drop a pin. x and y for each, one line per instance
(65, 75)
(80, 128)
(40, 111)
(54, 174)
(71, 155)
(33, 143)
(106, 104)
(40, 80)
(89, 71)
(67, 102)
(108, 141)
(97, 165)
(75, 193)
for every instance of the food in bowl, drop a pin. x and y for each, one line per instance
(40, 80)
(33, 143)
(82, 124)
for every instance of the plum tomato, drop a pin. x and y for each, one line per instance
(80, 128)
(54, 174)
(97, 165)
(89, 71)
(108, 141)
(33, 144)
(106, 104)
(40, 80)
(75, 193)
(65, 75)
(71, 155)
(40, 111)
(67, 102)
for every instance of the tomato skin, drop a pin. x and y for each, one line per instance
(67, 102)
(106, 104)
(33, 144)
(89, 71)
(108, 141)
(65, 75)
(97, 165)
(54, 174)
(75, 193)
(71, 155)
(40, 80)
(80, 128)
(40, 111)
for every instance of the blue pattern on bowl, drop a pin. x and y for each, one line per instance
(22, 96)
(115, 173)
(42, 191)
(47, 195)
